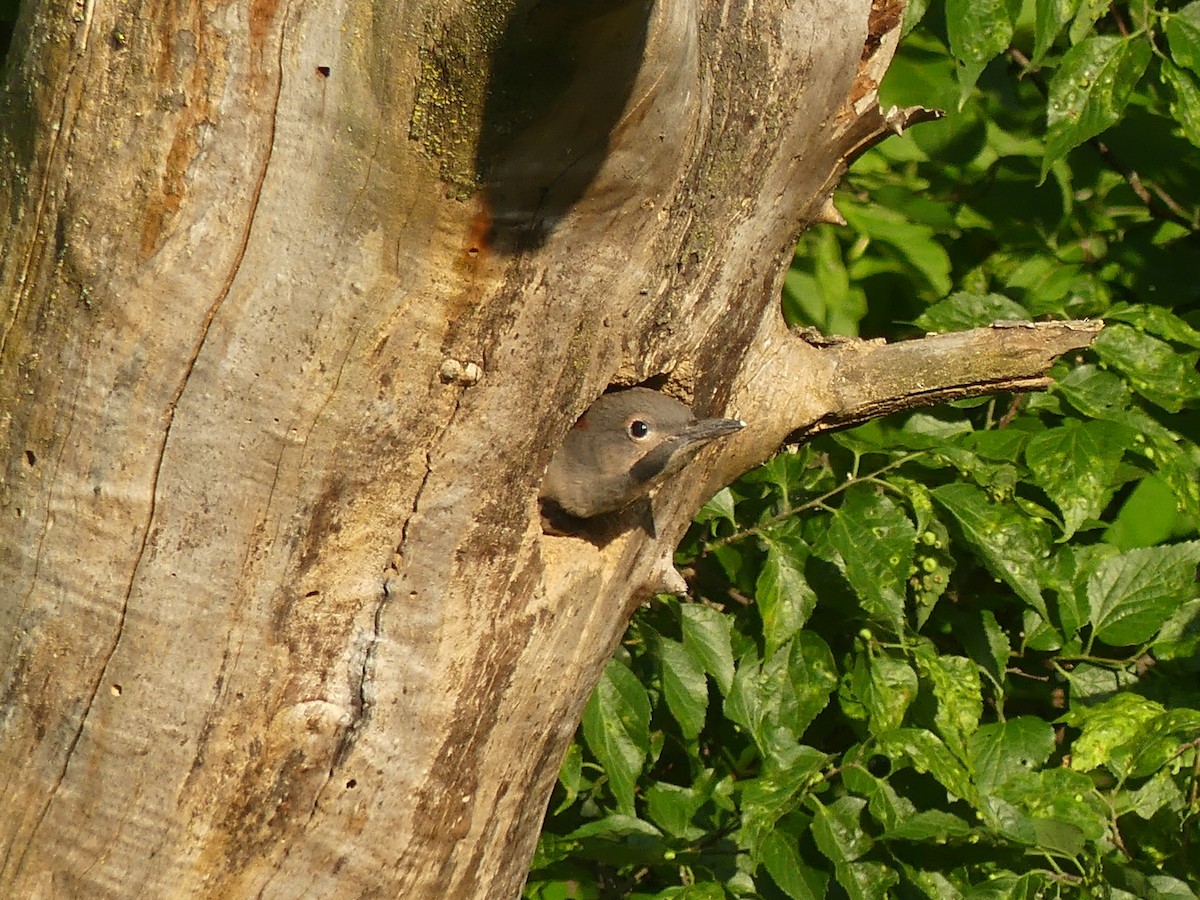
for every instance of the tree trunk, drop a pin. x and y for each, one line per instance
(299, 300)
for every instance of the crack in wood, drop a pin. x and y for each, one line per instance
(160, 452)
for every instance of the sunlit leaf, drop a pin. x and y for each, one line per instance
(1152, 366)
(706, 636)
(1002, 750)
(963, 310)
(1049, 17)
(1012, 546)
(1089, 91)
(978, 30)
(1186, 105)
(933, 825)
(784, 597)
(1131, 595)
(886, 687)
(684, 686)
(616, 726)
(958, 696)
(1094, 391)
(838, 831)
(987, 645)
(927, 753)
(1075, 465)
(1183, 34)
(874, 540)
(1156, 320)
(672, 808)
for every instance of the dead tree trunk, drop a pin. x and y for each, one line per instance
(298, 300)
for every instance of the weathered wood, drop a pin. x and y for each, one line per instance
(298, 300)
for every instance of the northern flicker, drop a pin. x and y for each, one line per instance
(626, 444)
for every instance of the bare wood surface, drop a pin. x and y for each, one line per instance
(875, 379)
(297, 304)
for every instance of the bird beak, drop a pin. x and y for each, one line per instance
(673, 453)
(707, 430)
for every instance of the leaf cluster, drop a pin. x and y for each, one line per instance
(951, 653)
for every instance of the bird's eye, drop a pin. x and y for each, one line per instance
(638, 429)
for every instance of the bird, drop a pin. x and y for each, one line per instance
(625, 445)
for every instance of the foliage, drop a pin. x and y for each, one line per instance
(954, 653)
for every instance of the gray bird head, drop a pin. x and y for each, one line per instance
(624, 446)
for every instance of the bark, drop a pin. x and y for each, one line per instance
(298, 301)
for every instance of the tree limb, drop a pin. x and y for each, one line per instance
(872, 378)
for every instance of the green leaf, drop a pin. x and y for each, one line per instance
(1075, 465)
(796, 879)
(1007, 820)
(1154, 369)
(1003, 750)
(959, 696)
(1159, 791)
(838, 831)
(1158, 744)
(684, 687)
(887, 806)
(1070, 570)
(701, 890)
(616, 726)
(1058, 794)
(1094, 392)
(835, 304)
(706, 637)
(751, 697)
(979, 30)
(1107, 727)
(1005, 444)
(865, 880)
(775, 700)
(1089, 91)
(614, 827)
(785, 601)
(1090, 684)
(918, 244)
(874, 541)
(1085, 17)
(1058, 837)
(1185, 106)
(1156, 320)
(963, 310)
(932, 884)
(1167, 887)
(1183, 33)
(886, 687)
(672, 808)
(1049, 18)
(773, 794)
(988, 645)
(928, 754)
(721, 506)
(914, 11)
(1132, 594)
(570, 775)
(1177, 460)
(813, 677)
(932, 825)
(1012, 546)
